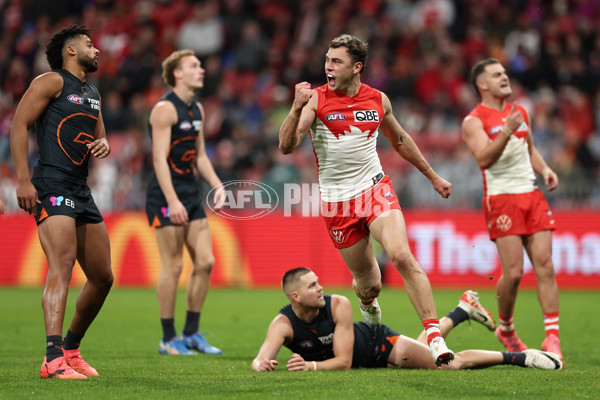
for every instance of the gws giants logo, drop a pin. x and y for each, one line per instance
(73, 98)
(337, 235)
(504, 223)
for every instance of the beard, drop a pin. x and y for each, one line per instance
(88, 64)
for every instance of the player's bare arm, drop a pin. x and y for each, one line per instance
(539, 165)
(99, 147)
(299, 119)
(407, 148)
(343, 336)
(205, 167)
(279, 331)
(343, 341)
(162, 118)
(42, 90)
(487, 152)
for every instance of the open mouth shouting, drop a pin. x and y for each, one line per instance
(330, 80)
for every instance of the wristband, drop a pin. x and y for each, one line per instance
(314, 365)
(505, 130)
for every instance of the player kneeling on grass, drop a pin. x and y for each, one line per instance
(319, 329)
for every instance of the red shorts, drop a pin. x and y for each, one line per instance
(517, 214)
(349, 221)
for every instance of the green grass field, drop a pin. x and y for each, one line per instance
(123, 341)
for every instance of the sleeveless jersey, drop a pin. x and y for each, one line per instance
(65, 128)
(314, 340)
(344, 138)
(182, 151)
(512, 173)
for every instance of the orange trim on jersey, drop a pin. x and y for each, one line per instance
(43, 215)
(185, 157)
(80, 133)
(392, 339)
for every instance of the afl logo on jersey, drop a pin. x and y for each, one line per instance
(494, 130)
(73, 98)
(185, 126)
(335, 116)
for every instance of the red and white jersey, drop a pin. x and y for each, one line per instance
(512, 173)
(344, 138)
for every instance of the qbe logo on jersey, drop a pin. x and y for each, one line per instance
(366, 116)
(244, 200)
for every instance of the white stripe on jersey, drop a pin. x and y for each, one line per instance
(512, 173)
(346, 165)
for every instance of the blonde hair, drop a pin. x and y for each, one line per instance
(171, 63)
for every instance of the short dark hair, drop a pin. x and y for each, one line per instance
(478, 70)
(292, 276)
(57, 43)
(357, 49)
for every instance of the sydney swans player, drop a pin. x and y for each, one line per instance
(358, 200)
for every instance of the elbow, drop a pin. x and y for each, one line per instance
(285, 149)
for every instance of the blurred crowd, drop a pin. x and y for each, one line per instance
(255, 51)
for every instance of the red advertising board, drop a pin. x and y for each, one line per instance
(451, 246)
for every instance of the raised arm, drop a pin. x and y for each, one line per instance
(162, 118)
(407, 148)
(42, 90)
(486, 151)
(279, 330)
(206, 169)
(299, 119)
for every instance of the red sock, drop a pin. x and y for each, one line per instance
(367, 303)
(507, 328)
(432, 327)
(551, 323)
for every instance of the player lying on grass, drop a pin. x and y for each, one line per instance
(319, 330)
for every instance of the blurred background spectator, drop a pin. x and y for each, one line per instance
(255, 51)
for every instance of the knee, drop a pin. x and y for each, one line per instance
(172, 271)
(514, 277)
(404, 261)
(107, 281)
(203, 266)
(368, 292)
(545, 268)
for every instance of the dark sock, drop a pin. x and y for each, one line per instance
(54, 344)
(72, 341)
(168, 326)
(458, 315)
(192, 323)
(513, 358)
